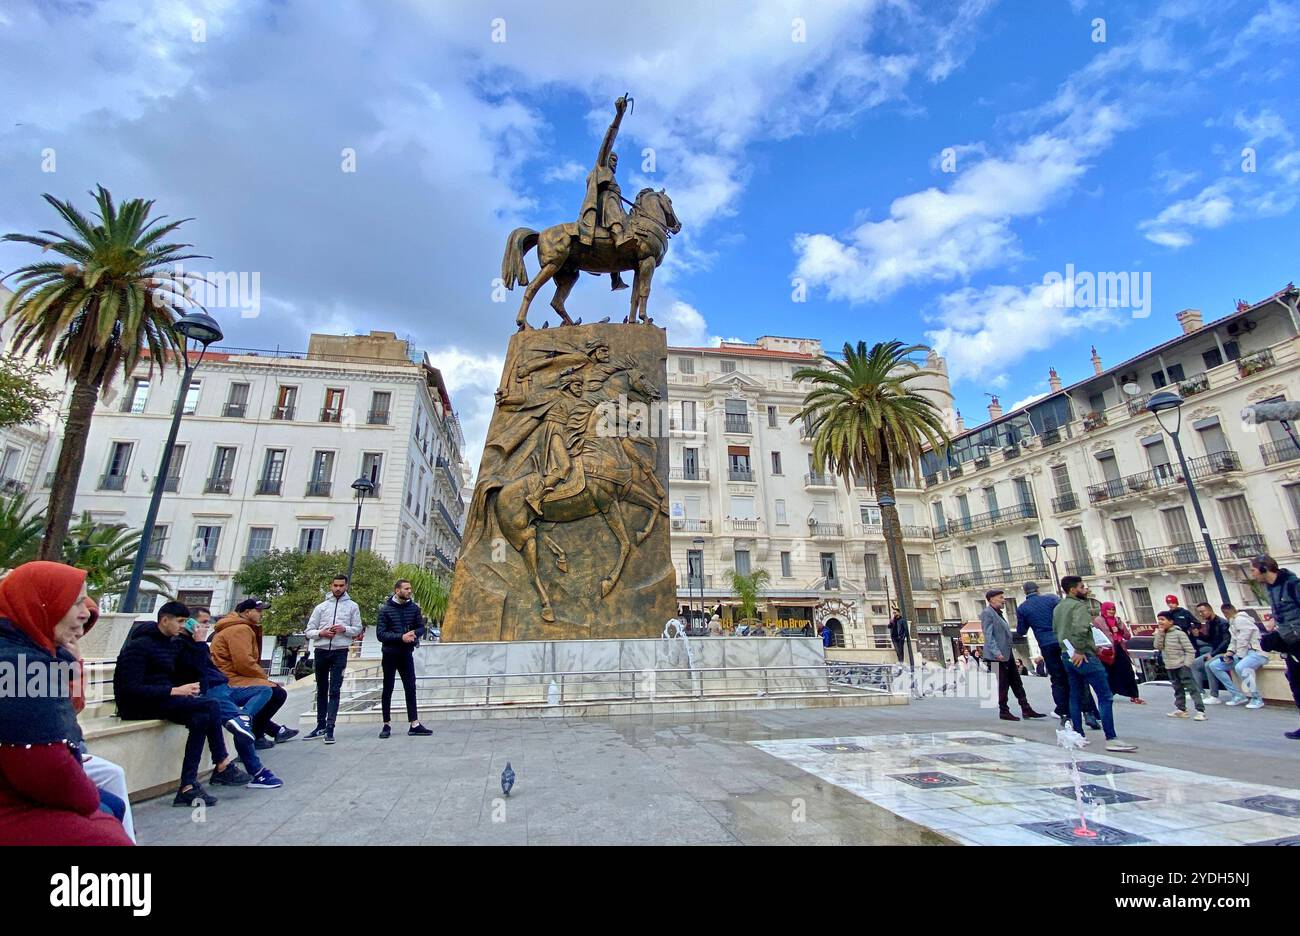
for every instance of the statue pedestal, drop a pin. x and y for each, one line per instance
(577, 403)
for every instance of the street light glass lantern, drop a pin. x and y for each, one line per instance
(884, 500)
(200, 327)
(363, 486)
(1050, 548)
(1161, 402)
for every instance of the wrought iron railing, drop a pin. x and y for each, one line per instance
(688, 474)
(1246, 546)
(817, 479)
(319, 488)
(112, 482)
(217, 486)
(825, 530)
(984, 521)
(270, 485)
(1275, 452)
(1163, 476)
(681, 525)
(736, 423)
(283, 412)
(740, 474)
(1064, 503)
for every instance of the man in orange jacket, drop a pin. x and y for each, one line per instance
(237, 652)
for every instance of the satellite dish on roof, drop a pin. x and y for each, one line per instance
(1132, 389)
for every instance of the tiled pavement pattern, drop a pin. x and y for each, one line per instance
(1020, 792)
(697, 779)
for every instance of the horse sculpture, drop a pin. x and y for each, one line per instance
(616, 473)
(563, 256)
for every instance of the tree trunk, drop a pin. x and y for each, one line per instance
(67, 474)
(894, 543)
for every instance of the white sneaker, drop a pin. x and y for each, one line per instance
(1237, 700)
(1199, 716)
(1116, 745)
(1255, 703)
(1176, 713)
(1210, 700)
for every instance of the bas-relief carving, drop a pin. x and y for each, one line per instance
(1264, 392)
(566, 536)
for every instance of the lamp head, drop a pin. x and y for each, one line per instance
(1049, 547)
(1166, 401)
(363, 486)
(200, 327)
(884, 500)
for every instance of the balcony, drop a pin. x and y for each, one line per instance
(1246, 546)
(1017, 513)
(202, 564)
(912, 531)
(816, 479)
(1293, 537)
(741, 474)
(875, 584)
(679, 525)
(1254, 363)
(447, 519)
(269, 486)
(217, 486)
(283, 412)
(12, 486)
(374, 492)
(234, 410)
(331, 415)
(1193, 385)
(1093, 421)
(736, 423)
(924, 584)
(156, 549)
(1205, 468)
(377, 417)
(1011, 575)
(1079, 567)
(825, 531)
(252, 557)
(172, 483)
(1276, 452)
(319, 488)
(688, 474)
(112, 482)
(442, 464)
(805, 432)
(447, 561)
(744, 526)
(1064, 503)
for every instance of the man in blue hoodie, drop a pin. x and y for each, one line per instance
(1035, 613)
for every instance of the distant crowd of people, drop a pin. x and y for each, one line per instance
(177, 667)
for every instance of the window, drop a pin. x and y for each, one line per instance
(915, 569)
(1079, 551)
(871, 564)
(332, 411)
(362, 541)
(736, 416)
(311, 539)
(771, 417)
(119, 460)
(191, 397)
(237, 401)
(742, 507)
(780, 512)
(1177, 529)
(688, 415)
(691, 464)
(1024, 493)
(380, 401)
(954, 611)
(372, 467)
(1175, 372)
(1003, 554)
(1143, 612)
(937, 510)
(136, 397)
(742, 561)
(1193, 594)
(1212, 358)
(776, 463)
(322, 466)
(728, 367)
(272, 479)
(1034, 549)
(1097, 402)
(1293, 498)
(695, 568)
(223, 470)
(828, 567)
(203, 551)
(973, 557)
(1061, 479)
(286, 403)
(869, 514)
(1127, 535)
(738, 463)
(1211, 433)
(173, 480)
(685, 365)
(1237, 516)
(963, 506)
(785, 565)
(1109, 467)
(259, 542)
(991, 499)
(1157, 454)
(158, 542)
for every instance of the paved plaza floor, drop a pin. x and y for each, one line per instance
(758, 778)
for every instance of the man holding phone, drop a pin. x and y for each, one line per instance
(333, 624)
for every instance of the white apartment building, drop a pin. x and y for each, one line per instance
(1089, 467)
(21, 447)
(743, 495)
(268, 449)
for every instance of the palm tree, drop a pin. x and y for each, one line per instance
(21, 524)
(747, 589)
(115, 296)
(430, 590)
(868, 422)
(107, 552)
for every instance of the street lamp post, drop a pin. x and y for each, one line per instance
(698, 543)
(362, 486)
(1051, 548)
(202, 329)
(886, 503)
(1160, 404)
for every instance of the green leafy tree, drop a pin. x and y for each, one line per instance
(430, 590)
(21, 523)
(747, 589)
(294, 583)
(23, 396)
(106, 551)
(113, 296)
(869, 421)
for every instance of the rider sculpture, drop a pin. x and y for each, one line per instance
(602, 206)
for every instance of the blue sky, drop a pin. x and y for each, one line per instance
(803, 145)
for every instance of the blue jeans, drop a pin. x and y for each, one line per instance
(239, 700)
(1223, 667)
(1092, 674)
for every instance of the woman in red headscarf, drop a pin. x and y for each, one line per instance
(1119, 670)
(46, 798)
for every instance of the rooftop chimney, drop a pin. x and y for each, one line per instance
(1053, 379)
(1096, 361)
(1190, 319)
(995, 408)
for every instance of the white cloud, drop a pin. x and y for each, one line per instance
(1032, 398)
(1211, 207)
(570, 171)
(1264, 126)
(472, 380)
(686, 326)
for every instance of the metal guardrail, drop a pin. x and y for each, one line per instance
(1164, 476)
(986, 521)
(1247, 546)
(1275, 452)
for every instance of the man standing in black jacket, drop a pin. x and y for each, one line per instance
(401, 625)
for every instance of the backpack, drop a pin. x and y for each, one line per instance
(1289, 629)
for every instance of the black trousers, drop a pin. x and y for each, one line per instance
(262, 724)
(1291, 653)
(330, 665)
(1061, 683)
(396, 662)
(1009, 679)
(203, 719)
